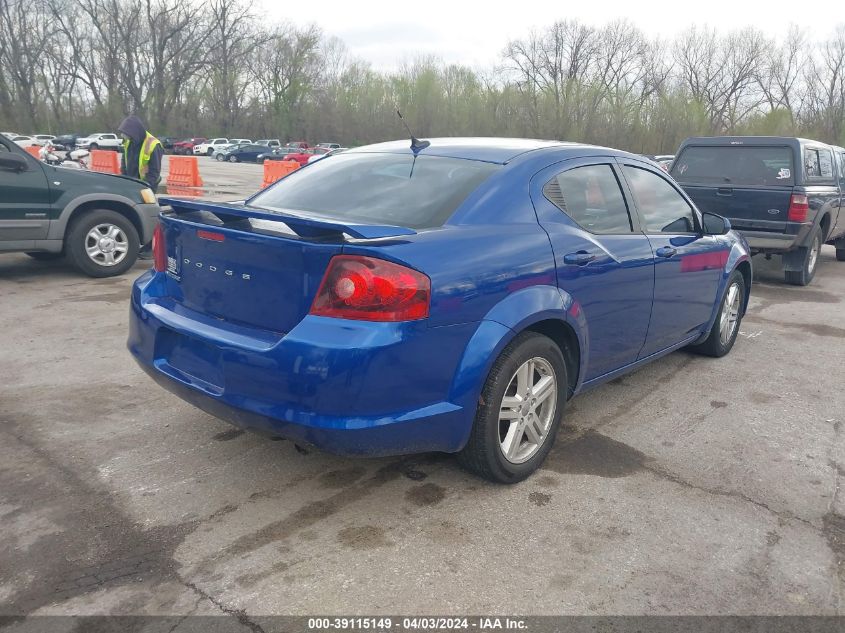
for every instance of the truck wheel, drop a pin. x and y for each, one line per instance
(102, 243)
(519, 411)
(44, 256)
(808, 259)
(93, 146)
(840, 254)
(725, 328)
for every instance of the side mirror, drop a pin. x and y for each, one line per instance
(12, 162)
(715, 224)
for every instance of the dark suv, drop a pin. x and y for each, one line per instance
(99, 221)
(785, 195)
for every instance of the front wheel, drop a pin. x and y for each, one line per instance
(93, 146)
(209, 152)
(840, 254)
(807, 259)
(102, 243)
(233, 159)
(220, 158)
(725, 328)
(519, 411)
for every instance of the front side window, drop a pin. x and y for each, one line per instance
(591, 196)
(662, 209)
(374, 188)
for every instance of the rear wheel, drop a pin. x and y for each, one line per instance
(102, 243)
(519, 411)
(93, 146)
(807, 259)
(725, 328)
(233, 159)
(209, 152)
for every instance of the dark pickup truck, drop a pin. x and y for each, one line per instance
(785, 195)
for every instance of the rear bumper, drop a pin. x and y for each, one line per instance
(771, 242)
(350, 388)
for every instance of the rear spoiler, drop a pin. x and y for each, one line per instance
(302, 226)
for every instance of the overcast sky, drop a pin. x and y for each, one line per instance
(388, 33)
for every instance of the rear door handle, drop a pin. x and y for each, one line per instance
(666, 251)
(724, 191)
(581, 258)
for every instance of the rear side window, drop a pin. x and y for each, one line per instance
(662, 209)
(394, 189)
(735, 165)
(818, 163)
(591, 196)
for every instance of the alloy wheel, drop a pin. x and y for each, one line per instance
(527, 410)
(729, 317)
(106, 244)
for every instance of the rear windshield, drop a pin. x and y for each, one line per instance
(735, 165)
(394, 189)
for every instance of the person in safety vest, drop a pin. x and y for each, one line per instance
(142, 152)
(141, 159)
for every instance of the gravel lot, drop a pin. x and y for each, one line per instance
(694, 486)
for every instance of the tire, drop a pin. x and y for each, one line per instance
(209, 152)
(840, 254)
(80, 241)
(808, 260)
(233, 159)
(43, 256)
(221, 158)
(730, 314)
(485, 451)
(93, 146)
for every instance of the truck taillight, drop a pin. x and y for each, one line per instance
(798, 207)
(159, 249)
(371, 289)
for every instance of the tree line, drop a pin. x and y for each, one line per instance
(215, 67)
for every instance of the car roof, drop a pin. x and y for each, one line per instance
(749, 140)
(489, 149)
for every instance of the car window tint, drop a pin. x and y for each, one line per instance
(396, 189)
(734, 165)
(591, 196)
(841, 156)
(662, 209)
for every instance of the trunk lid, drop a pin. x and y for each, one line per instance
(248, 266)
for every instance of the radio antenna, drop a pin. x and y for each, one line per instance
(416, 144)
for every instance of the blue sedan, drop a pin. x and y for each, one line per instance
(443, 297)
(240, 153)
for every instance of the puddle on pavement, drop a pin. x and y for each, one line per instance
(594, 454)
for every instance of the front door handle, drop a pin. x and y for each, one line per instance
(581, 258)
(666, 251)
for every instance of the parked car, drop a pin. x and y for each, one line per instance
(269, 142)
(303, 156)
(187, 146)
(42, 139)
(242, 153)
(782, 194)
(101, 140)
(97, 221)
(225, 148)
(25, 141)
(664, 160)
(450, 297)
(209, 146)
(9, 134)
(279, 153)
(167, 143)
(67, 141)
(329, 145)
(297, 145)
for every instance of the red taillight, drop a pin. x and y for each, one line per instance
(798, 207)
(159, 250)
(370, 289)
